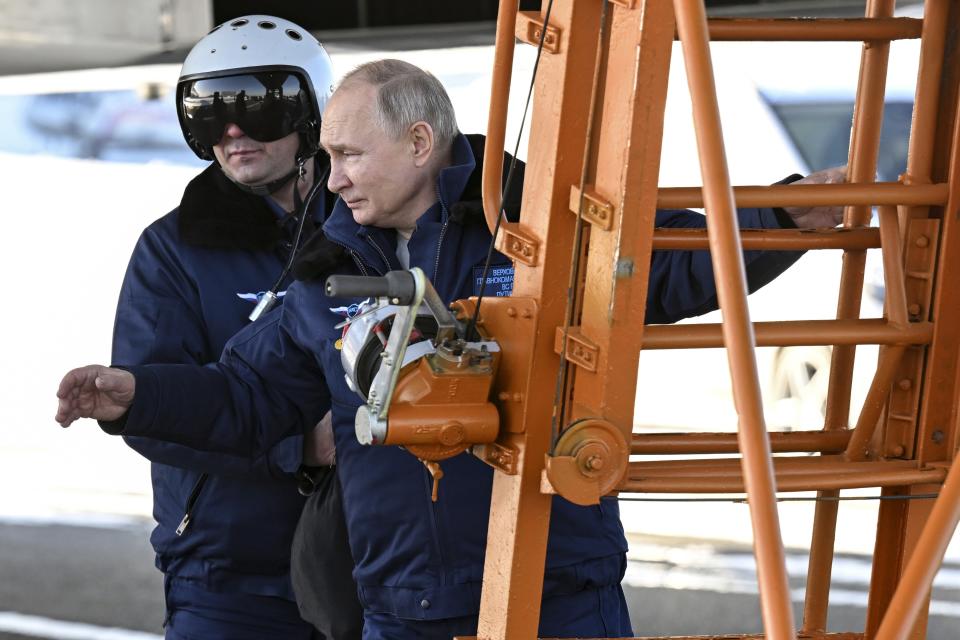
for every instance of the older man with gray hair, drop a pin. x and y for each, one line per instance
(401, 170)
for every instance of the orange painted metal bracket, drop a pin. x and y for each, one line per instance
(596, 210)
(515, 243)
(581, 351)
(498, 456)
(920, 251)
(512, 323)
(530, 29)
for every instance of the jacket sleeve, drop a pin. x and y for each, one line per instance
(265, 388)
(681, 283)
(158, 320)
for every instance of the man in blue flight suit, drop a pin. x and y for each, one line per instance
(225, 522)
(398, 165)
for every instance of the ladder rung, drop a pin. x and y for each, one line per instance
(813, 195)
(801, 635)
(834, 441)
(814, 29)
(792, 474)
(773, 239)
(789, 333)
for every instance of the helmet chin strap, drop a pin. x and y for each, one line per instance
(274, 185)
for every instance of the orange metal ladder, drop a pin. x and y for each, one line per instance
(596, 148)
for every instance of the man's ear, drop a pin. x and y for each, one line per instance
(421, 137)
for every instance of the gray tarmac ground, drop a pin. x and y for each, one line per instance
(104, 577)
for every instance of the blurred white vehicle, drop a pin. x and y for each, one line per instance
(785, 108)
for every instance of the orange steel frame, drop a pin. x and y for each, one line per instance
(596, 139)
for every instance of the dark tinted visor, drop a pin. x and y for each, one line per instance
(267, 106)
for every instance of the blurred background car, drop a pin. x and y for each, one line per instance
(781, 113)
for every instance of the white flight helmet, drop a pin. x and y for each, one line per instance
(267, 75)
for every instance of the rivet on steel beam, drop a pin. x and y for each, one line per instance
(914, 309)
(905, 384)
(526, 313)
(517, 397)
(896, 451)
(511, 312)
(937, 436)
(503, 396)
(922, 241)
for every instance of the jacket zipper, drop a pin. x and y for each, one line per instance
(191, 503)
(443, 232)
(358, 261)
(379, 250)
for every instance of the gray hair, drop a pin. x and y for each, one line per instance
(407, 94)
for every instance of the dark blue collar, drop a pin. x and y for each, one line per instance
(341, 228)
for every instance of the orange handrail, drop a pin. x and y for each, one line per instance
(497, 118)
(727, 257)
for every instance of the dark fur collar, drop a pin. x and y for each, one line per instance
(215, 213)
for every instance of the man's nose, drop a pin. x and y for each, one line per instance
(233, 131)
(337, 181)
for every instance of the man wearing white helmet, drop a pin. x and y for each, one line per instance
(249, 99)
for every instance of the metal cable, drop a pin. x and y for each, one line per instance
(472, 325)
(558, 417)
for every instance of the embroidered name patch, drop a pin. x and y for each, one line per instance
(499, 280)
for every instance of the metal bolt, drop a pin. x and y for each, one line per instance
(594, 463)
(592, 209)
(526, 314)
(937, 436)
(922, 241)
(511, 312)
(905, 384)
(517, 397)
(896, 451)
(914, 309)
(503, 396)
(536, 33)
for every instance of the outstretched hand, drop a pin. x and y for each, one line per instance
(815, 217)
(94, 392)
